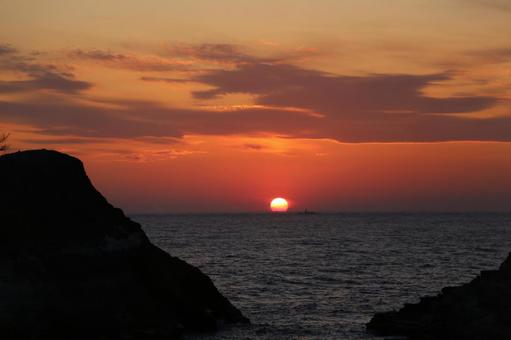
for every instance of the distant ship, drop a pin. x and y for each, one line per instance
(307, 212)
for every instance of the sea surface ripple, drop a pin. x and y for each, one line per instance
(323, 276)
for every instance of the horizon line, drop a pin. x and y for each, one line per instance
(312, 212)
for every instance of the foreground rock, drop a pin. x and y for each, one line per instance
(74, 267)
(480, 309)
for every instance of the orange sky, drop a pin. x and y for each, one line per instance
(213, 106)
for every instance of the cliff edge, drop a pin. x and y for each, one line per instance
(74, 267)
(480, 309)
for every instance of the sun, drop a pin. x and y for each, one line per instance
(279, 204)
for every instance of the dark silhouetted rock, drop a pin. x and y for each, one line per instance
(74, 267)
(479, 310)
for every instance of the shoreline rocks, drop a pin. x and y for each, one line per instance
(480, 309)
(74, 267)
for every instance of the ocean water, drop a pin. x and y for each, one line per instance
(323, 276)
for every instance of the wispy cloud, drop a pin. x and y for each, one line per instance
(252, 146)
(337, 96)
(165, 79)
(145, 63)
(213, 52)
(6, 49)
(501, 5)
(370, 108)
(233, 54)
(45, 80)
(152, 120)
(40, 76)
(494, 55)
(63, 141)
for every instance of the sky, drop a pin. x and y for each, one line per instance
(220, 106)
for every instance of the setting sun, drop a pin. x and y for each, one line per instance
(279, 205)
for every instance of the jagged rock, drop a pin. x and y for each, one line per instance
(74, 267)
(480, 309)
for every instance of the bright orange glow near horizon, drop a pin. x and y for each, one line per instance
(279, 204)
(187, 106)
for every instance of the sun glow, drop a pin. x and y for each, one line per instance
(279, 205)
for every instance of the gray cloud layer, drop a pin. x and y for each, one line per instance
(372, 108)
(6, 49)
(40, 76)
(337, 96)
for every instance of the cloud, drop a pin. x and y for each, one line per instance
(6, 49)
(63, 141)
(45, 81)
(423, 128)
(370, 108)
(378, 108)
(500, 5)
(145, 120)
(165, 79)
(151, 156)
(227, 53)
(41, 77)
(338, 97)
(255, 78)
(67, 118)
(142, 119)
(98, 55)
(175, 57)
(147, 63)
(493, 55)
(253, 146)
(159, 140)
(232, 54)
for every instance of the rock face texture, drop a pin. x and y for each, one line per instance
(74, 267)
(480, 309)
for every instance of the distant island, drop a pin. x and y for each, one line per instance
(307, 212)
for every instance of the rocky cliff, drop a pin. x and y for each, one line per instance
(74, 267)
(480, 309)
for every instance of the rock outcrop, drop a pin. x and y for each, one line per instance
(74, 267)
(480, 309)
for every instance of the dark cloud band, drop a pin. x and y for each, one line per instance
(371, 108)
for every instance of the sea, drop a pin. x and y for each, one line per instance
(322, 276)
